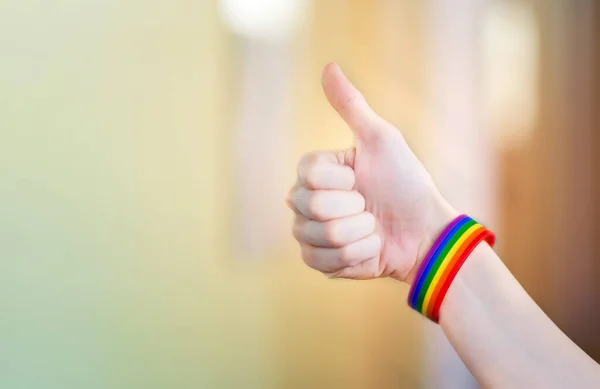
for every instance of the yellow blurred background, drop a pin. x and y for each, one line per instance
(146, 148)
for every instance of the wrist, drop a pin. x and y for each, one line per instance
(442, 214)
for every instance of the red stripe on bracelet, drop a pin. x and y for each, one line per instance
(454, 267)
(448, 269)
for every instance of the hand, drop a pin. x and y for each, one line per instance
(369, 211)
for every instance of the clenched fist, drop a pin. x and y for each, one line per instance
(369, 211)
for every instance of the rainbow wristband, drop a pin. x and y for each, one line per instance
(441, 264)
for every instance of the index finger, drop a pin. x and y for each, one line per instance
(320, 172)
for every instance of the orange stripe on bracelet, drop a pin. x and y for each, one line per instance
(486, 235)
(440, 266)
(445, 260)
(449, 264)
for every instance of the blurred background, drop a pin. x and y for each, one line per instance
(146, 148)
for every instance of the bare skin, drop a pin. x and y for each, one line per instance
(373, 211)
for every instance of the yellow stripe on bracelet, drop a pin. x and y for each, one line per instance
(445, 261)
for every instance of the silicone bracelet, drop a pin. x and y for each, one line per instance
(425, 265)
(441, 264)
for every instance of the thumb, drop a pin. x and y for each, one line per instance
(349, 102)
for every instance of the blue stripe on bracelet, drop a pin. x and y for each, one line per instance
(434, 257)
(430, 253)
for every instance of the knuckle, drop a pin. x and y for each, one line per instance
(370, 221)
(346, 257)
(318, 158)
(360, 200)
(332, 233)
(310, 258)
(351, 177)
(307, 254)
(312, 176)
(310, 169)
(374, 270)
(290, 198)
(311, 158)
(297, 231)
(314, 171)
(316, 208)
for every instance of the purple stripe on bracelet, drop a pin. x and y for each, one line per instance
(412, 295)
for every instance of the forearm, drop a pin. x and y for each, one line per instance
(502, 335)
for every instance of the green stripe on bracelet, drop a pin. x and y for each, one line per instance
(438, 261)
(447, 255)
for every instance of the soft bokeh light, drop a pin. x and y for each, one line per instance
(264, 19)
(510, 70)
(146, 148)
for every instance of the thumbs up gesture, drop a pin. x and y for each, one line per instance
(369, 211)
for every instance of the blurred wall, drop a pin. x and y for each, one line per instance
(117, 266)
(110, 200)
(121, 195)
(550, 183)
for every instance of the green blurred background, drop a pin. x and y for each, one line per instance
(146, 148)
